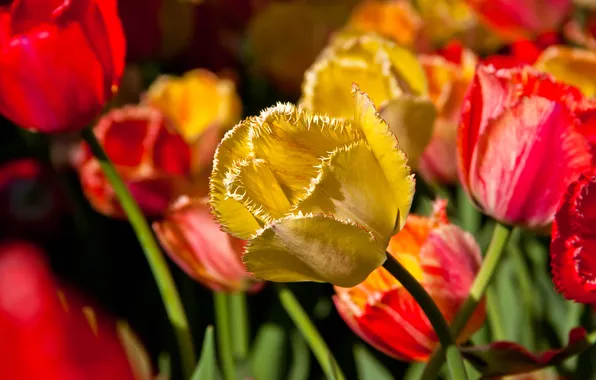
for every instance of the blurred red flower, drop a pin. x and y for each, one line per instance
(31, 202)
(520, 143)
(60, 62)
(523, 51)
(574, 240)
(522, 18)
(152, 159)
(50, 335)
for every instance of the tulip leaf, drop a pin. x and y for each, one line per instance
(300, 366)
(368, 367)
(509, 358)
(267, 355)
(207, 367)
(414, 371)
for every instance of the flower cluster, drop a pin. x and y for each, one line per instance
(369, 146)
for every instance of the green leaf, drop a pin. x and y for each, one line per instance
(267, 356)
(368, 367)
(300, 367)
(207, 367)
(414, 371)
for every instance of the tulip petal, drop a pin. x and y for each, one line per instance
(313, 248)
(356, 195)
(390, 157)
(231, 214)
(411, 119)
(254, 185)
(293, 141)
(510, 156)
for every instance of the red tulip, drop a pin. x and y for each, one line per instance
(60, 61)
(194, 240)
(522, 18)
(444, 259)
(520, 143)
(574, 240)
(48, 337)
(31, 203)
(152, 159)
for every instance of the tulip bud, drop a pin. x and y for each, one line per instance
(194, 240)
(444, 259)
(520, 144)
(152, 159)
(317, 198)
(60, 62)
(390, 74)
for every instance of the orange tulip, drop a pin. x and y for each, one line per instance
(444, 259)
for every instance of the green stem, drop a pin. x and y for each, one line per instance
(468, 216)
(434, 315)
(157, 262)
(224, 336)
(493, 311)
(310, 333)
(239, 323)
(491, 260)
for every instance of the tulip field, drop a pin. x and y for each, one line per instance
(297, 189)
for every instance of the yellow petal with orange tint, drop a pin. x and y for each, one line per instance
(411, 119)
(570, 65)
(313, 248)
(195, 101)
(352, 186)
(389, 155)
(397, 20)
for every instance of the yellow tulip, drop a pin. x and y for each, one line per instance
(196, 102)
(391, 75)
(570, 65)
(317, 198)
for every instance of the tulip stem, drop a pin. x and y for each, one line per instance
(457, 369)
(310, 333)
(159, 267)
(224, 336)
(239, 316)
(492, 258)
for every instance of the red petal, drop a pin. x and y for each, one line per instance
(507, 358)
(574, 240)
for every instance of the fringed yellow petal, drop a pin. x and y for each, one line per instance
(570, 65)
(313, 248)
(384, 146)
(293, 141)
(383, 69)
(231, 214)
(352, 186)
(411, 119)
(253, 184)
